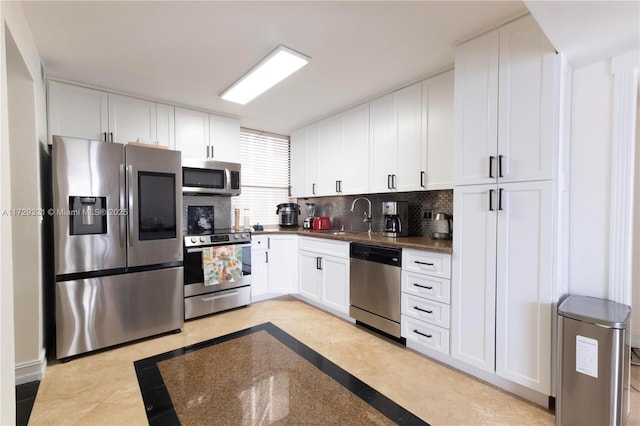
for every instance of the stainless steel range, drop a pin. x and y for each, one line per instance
(219, 279)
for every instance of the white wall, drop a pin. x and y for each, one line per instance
(635, 313)
(14, 29)
(589, 180)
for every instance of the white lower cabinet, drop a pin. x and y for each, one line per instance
(324, 272)
(502, 294)
(273, 266)
(425, 311)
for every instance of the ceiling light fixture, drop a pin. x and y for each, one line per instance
(275, 67)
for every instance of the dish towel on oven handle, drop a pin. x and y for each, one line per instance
(222, 264)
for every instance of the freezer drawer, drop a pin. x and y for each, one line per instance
(95, 313)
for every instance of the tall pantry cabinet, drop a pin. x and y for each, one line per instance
(506, 143)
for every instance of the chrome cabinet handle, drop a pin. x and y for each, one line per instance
(423, 286)
(393, 182)
(422, 310)
(428, 336)
(423, 263)
(266, 257)
(319, 263)
(207, 151)
(313, 188)
(388, 181)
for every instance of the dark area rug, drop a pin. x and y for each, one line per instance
(260, 375)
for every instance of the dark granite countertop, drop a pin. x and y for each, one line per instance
(376, 238)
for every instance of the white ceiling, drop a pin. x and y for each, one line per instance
(186, 53)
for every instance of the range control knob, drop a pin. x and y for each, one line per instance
(244, 236)
(202, 240)
(194, 240)
(236, 236)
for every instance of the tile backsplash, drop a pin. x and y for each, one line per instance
(338, 208)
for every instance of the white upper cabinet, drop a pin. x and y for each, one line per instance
(437, 131)
(354, 152)
(77, 112)
(407, 108)
(165, 125)
(526, 109)
(328, 156)
(504, 97)
(192, 133)
(311, 160)
(93, 114)
(131, 119)
(383, 144)
(224, 138)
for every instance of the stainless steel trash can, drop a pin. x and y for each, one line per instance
(592, 372)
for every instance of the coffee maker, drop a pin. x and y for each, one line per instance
(396, 218)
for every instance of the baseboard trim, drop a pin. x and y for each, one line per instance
(31, 371)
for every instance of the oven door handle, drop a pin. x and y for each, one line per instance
(199, 249)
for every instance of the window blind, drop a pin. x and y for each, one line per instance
(265, 175)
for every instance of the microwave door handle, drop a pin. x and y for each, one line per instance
(130, 193)
(122, 218)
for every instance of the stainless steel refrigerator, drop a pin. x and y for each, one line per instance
(118, 243)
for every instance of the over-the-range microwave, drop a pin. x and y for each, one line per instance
(209, 177)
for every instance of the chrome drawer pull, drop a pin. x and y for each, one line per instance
(423, 286)
(422, 310)
(221, 296)
(423, 263)
(428, 336)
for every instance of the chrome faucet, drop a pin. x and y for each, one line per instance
(367, 216)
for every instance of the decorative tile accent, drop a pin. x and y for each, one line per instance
(221, 209)
(338, 208)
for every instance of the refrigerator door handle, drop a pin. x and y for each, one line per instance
(122, 219)
(130, 210)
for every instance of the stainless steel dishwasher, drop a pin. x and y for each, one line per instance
(375, 287)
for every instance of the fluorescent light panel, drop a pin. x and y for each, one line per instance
(278, 65)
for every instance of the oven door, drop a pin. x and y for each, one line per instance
(194, 275)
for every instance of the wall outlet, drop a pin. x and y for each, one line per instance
(428, 214)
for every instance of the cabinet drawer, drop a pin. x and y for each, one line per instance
(324, 246)
(436, 264)
(422, 336)
(426, 310)
(434, 288)
(259, 243)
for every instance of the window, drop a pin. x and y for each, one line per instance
(265, 175)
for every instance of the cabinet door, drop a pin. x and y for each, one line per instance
(476, 109)
(165, 125)
(437, 131)
(354, 152)
(525, 284)
(259, 272)
(407, 104)
(131, 120)
(192, 133)
(224, 138)
(526, 102)
(383, 144)
(77, 112)
(311, 159)
(298, 163)
(309, 274)
(473, 281)
(283, 271)
(328, 155)
(335, 288)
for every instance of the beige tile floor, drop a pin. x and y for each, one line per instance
(101, 388)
